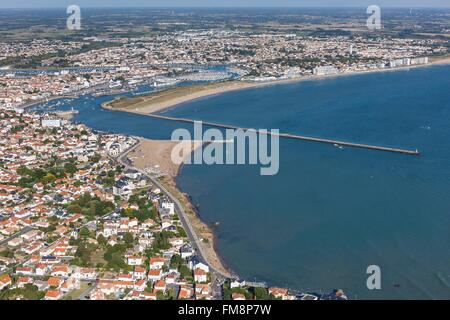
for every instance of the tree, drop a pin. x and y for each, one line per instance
(128, 239)
(176, 261)
(261, 294)
(24, 171)
(84, 232)
(114, 257)
(107, 255)
(128, 212)
(74, 208)
(83, 254)
(161, 242)
(185, 272)
(92, 206)
(48, 178)
(149, 287)
(227, 293)
(95, 158)
(117, 262)
(102, 240)
(28, 292)
(181, 232)
(7, 253)
(70, 168)
(154, 214)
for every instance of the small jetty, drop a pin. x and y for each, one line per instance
(293, 136)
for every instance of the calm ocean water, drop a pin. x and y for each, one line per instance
(329, 213)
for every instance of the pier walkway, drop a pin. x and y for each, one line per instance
(292, 136)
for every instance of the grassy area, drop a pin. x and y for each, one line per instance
(76, 293)
(164, 95)
(97, 257)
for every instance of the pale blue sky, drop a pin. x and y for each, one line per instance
(218, 3)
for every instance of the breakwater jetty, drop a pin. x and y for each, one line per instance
(337, 143)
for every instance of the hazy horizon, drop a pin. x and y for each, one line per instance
(34, 4)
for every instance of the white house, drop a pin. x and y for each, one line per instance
(201, 265)
(157, 263)
(200, 275)
(135, 260)
(41, 269)
(237, 284)
(169, 206)
(85, 274)
(155, 274)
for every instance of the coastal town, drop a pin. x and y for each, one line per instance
(93, 215)
(106, 65)
(77, 224)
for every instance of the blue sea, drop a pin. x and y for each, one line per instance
(329, 213)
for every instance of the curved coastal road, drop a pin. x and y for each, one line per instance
(194, 239)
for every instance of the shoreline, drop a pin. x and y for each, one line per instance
(213, 239)
(440, 61)
(194, 216)
(237, 85)
(149, 153)
(202, 229)
(31, 104)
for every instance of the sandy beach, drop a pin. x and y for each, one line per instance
(165, 99)
(156, 155)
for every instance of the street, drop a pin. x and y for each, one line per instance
(218, 276)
